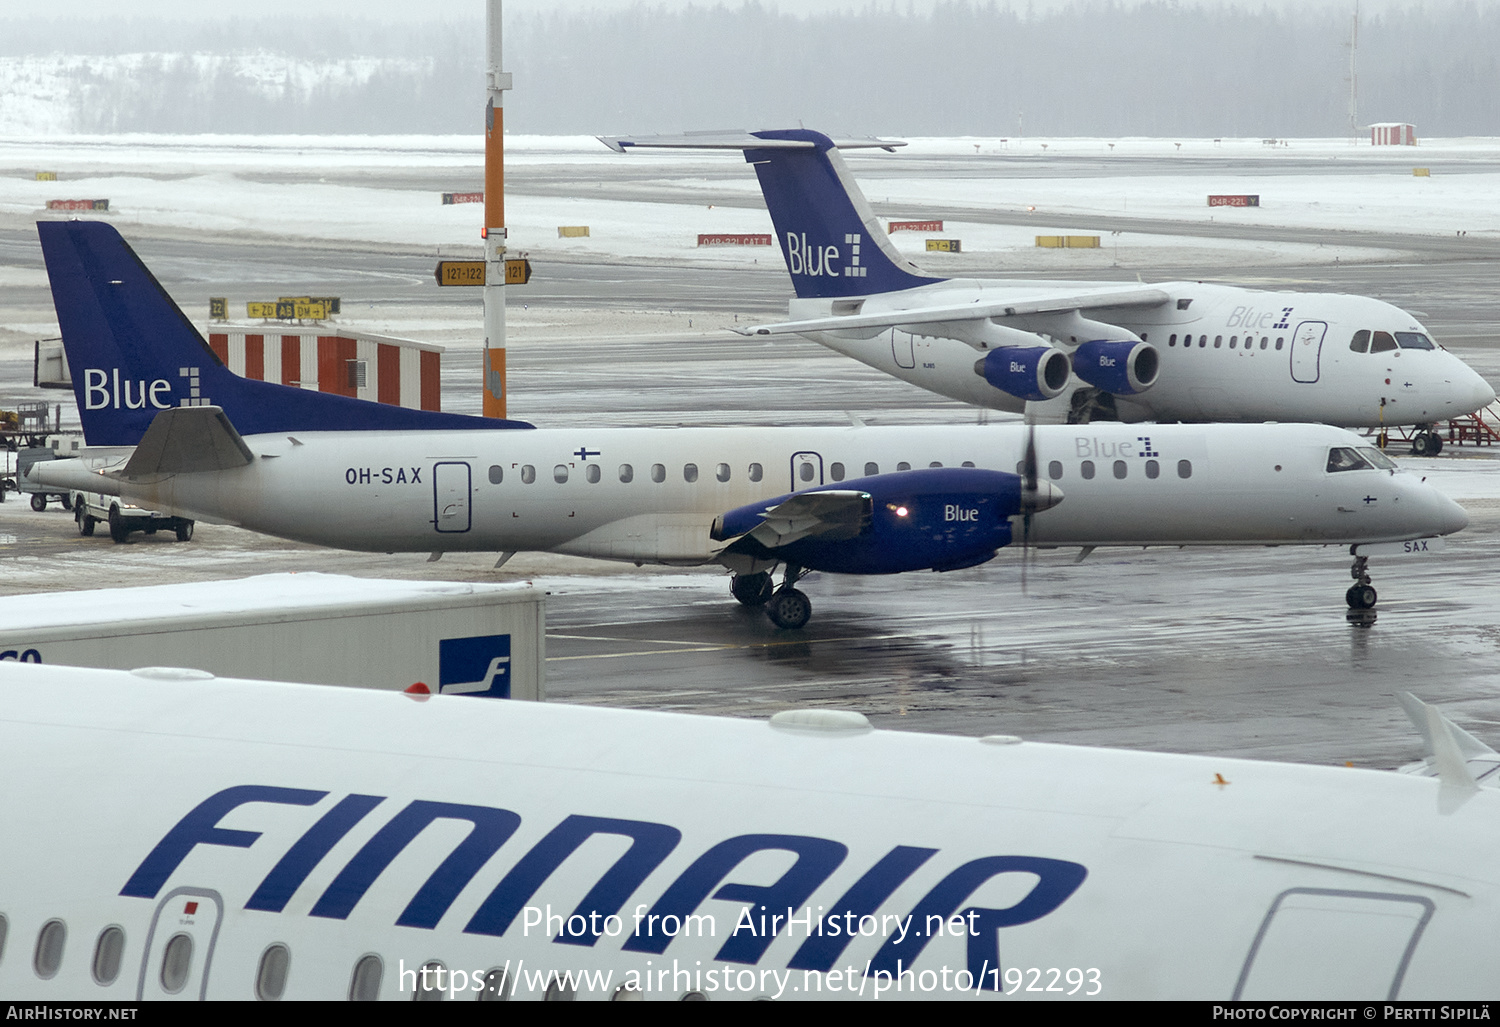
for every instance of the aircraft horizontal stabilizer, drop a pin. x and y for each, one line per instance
(184, 440)
(735, 140)
(1045, 304)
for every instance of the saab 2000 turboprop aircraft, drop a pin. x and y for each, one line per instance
(1178, 351)
(308, 842)
(853, 499)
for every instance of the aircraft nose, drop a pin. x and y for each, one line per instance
(1453, 517)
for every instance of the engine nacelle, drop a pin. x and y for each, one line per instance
(940, 518)
(1035, 372)
(1123, 368)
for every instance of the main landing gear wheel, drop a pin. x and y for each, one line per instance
(1426, 443)
(789, 608)
(752, 589)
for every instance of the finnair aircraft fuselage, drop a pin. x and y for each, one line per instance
(310, 842)
(1226, 354)
(652, 495)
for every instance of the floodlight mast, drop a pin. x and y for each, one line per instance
(496, 82)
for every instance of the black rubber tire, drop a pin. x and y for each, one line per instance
(789, 609)
(1360, 597)
(84, 521)
(184, 531)
(66, 500)
(117, 527)
(1434, 444)
(752, 589)
(38, 502)
(1419, 444)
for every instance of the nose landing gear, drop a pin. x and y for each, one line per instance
(1361, 595)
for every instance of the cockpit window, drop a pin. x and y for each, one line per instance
(1343, 458)
(1361, 341)
(1377, 458)
(1384, 342)
(1413, 340)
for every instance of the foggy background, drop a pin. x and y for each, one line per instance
(959, 68)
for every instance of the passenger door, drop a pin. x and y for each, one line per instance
(807, 470)
(180, 946)
(451, 489)
(1307, 348)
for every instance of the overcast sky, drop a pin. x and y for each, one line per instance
(406, 10)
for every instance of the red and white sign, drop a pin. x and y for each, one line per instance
(916, 226)
(734, 240)
(1234, 201)
(463, 198)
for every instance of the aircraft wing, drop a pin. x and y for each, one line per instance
(186, 439)
(736, 140)
(1044, 303)
(831, 515)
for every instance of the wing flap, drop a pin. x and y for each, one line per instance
(832, 515)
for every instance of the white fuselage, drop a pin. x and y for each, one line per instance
(566, 490)
(1254, 356)
(355, 837)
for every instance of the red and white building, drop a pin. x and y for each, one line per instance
(1393, 133)
(337, 360)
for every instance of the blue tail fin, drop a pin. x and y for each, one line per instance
(833, 244)
(133, 353)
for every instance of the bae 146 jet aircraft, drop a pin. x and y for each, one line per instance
(853, 499)
(174, 837)
(1177, 351)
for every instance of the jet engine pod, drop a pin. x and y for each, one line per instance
(1123, 368)
(1035, 373)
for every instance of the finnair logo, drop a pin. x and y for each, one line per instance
(106, 390)
(802, 258)
(479, 665)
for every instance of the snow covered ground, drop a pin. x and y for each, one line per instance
(274, 185)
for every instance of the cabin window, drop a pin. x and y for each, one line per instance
(592, 474)
(1343, 458)
(627, 473)
(108, 952)
(496, 987)
(689, 473)
(722, 472)
(1218, 341)
(1383, 342)
(936, 463)
(49, 948)
(1377, 458)
(871, 469)
(528, 474)
(1232, 340)
(1184, 468)
(364, 983)
(627, 993)
(4, 930)
(806, 471)
(1265, 340)
(1054, 470)
(1279, 340)
(427, 978)
(1153, 469)
(560, 473)
(1121, 468)
(270, 976)
(967, 463)
(1086, 470)
(1413, 340)
(1361, 341)
(176, 961)
(658, 473)
(757, 472)
(1202, 341)
(903, 466)
(497, 474)
(1172, 339)
(836, 471)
